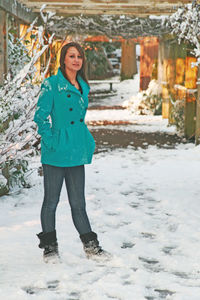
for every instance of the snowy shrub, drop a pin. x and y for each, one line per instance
(14, 171)
(18, 98)
(177, 115)
(146, 102)
(3, 185)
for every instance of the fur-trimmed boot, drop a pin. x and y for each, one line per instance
(92, 248)
(48, 242)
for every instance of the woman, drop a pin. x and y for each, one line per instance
(66, 145)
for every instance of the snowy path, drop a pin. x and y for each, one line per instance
(125, 90)
(143, 203)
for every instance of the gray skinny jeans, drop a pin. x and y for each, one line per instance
(75, 184)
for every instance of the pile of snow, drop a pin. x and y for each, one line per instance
(145, 102)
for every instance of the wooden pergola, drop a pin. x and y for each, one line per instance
(139, 8)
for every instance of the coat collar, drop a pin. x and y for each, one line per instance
(65, 85)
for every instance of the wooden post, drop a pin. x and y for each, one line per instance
(168, 75)
(160, 63)
(165, 92)
(3, 46)
(190, 105)
(148, 60)
(162, 80)
(173, 74)
(128, 59)
(197, 131)
(171, 69)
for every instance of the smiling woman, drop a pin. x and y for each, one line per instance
(72, 63)
(66, 146)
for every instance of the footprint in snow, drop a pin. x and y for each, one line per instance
(127, 245)
(33, 290)
(74, 296)
(148, 235)
(181, 274)
(148, 260)
(134, 204)
(151, 264)
(51, 285)
(173, 227)
(168, 249)
(163, 294)
(126, 193)
(158, 293)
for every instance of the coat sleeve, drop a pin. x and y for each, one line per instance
(44, 108)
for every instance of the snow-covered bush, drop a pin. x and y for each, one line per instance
(3, 185)
(146, 102)
(178, 115)
(13, 174)
(18, 98)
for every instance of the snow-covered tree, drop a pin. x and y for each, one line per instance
(185, 24)
(18, 99)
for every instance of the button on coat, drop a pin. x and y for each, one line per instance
(66, 140)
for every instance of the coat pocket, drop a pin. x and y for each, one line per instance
(47, 142)
(61, 141)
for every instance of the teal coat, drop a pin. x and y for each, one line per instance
(66, 140)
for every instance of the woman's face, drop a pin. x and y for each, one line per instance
(73, 60)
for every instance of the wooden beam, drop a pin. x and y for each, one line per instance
(67, 11)
(135, 6)
(151, 3)
(139, 8)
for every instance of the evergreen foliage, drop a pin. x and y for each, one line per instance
(98, 65)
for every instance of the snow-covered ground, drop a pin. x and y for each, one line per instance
(144, 205)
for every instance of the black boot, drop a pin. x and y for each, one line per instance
(91, 246)
(48, 242)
